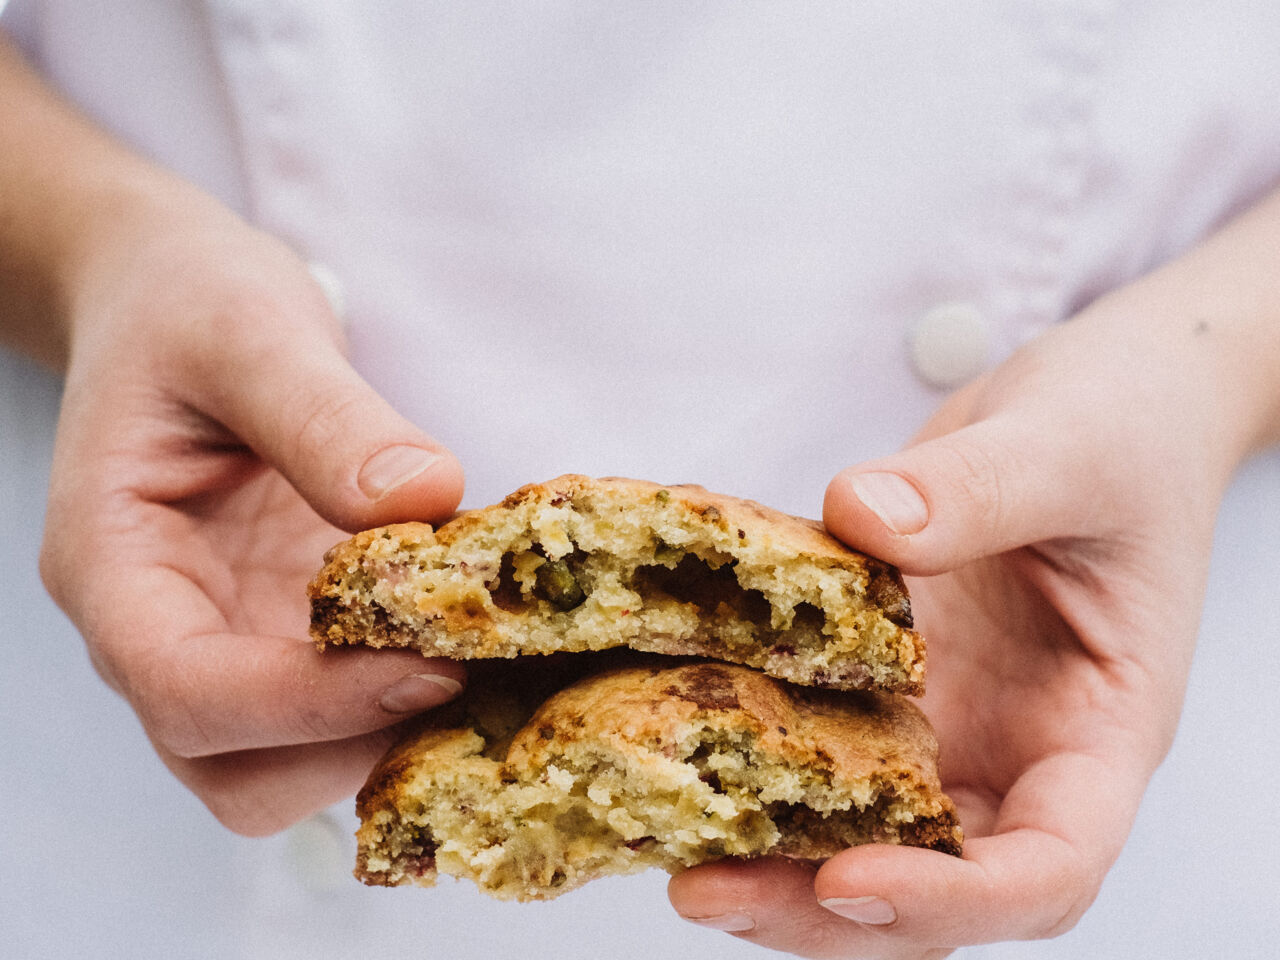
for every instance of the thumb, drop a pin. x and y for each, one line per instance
(990, 487)
(282, 384)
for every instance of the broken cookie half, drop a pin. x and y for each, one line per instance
(580, 564)
(651, 765)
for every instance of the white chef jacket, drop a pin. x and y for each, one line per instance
(742, 244)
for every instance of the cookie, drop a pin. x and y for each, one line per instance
(649, 765)
(587, 564)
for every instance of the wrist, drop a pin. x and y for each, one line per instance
(131, 221)
(71, 197)
(1207, 327)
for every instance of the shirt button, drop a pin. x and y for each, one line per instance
(950, 345)
(317, 851)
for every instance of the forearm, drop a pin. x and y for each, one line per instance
(66, 187)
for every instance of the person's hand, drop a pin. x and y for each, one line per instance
(213, 443)
(1057, 517)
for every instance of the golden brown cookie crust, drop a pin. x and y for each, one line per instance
(649, 765)
(578, 563)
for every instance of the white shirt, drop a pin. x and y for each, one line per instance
(714, 242)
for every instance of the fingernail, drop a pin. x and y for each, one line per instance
(728, 922)
(418, 691)
(874, 911)
(895, 501)
(391, 467)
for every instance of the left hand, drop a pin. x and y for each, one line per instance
(1058, 514)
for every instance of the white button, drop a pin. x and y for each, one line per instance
(319, 854)
(950, 345)
(332, 287)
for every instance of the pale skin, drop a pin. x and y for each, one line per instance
(1055, 518)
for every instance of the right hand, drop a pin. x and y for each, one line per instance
(213, 442)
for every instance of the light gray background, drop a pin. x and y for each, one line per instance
(103, 854)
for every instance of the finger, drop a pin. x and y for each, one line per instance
(277, 378)
(915, 896)
(182, 669)
(772, 903)
(1059, 830)
(984, 489)
(285, 691)
(259, 792)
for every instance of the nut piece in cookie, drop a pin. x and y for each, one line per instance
(648, 766)
(583, 564)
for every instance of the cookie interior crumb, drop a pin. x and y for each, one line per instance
(561, 801)
(578, 564)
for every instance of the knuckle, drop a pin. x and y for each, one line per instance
(330, 416)
(182, 736)
(990, 478)
(312, 725)
(171, 716)
(979, 474)
(833, 938)
(243, 325)
(253, 331)
(260, 307)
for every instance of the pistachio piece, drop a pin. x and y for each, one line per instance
(558, 585)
